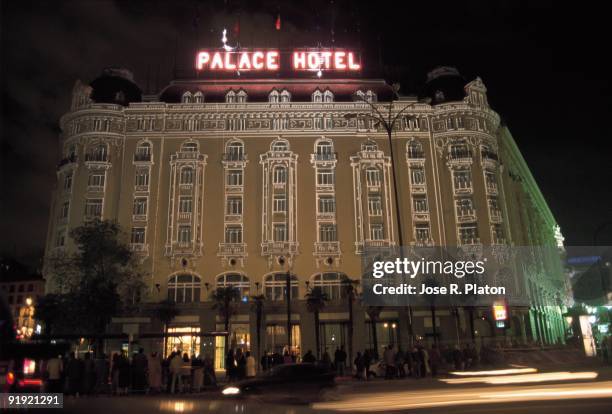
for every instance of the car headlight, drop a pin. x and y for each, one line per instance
(231, 391)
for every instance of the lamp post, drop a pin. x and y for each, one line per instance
(281, 261)
(388, 121)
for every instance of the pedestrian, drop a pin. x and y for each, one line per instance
(309, 358)
(400, 360)
(139, 371)
(89, 374)
(340, 361)
(326, 360)
(123, 384)
(359, 366)
(287, 358)
(434, 360)
(367, 361)
(154, 373)
(251, 365)
(416, 362)
(230, 366)
(210, 377)
(54, 374)
(424, 356)
(176, 363)
(185, 372)
(101, 371)
(241, 364)
(389, 358)
(457, 358)
(265, 361)
(197, 365)
(74, 375)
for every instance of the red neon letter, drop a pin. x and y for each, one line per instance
(258, 60)
(351, 62)
(326, 57)
(228, 64)
(245, 61)
(299, 60)
(217, 62)
(339, 62)
(313, 60)
(202, 60)
(272, 60)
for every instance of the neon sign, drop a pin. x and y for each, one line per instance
(271, 60)
(499, 312)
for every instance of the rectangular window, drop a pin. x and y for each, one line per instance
(234, 206)
(375, 206)
(327, 204)
(280, 175)
(459, 151)
(494, 209)
(68, 182)
(417, 176)
(327, 233)
(497, 233)
(186, 176)
(325, 177)
(420, 204)
(93, 208)
(421, 232)
(184, 234)
(468, 234)
(234, 178)
(60, 240)
(280, 203)
(373, 177)
(280, 232)
(140, 206)
(65, 209)
(138, 235)
(96, 180)
(465, 207)
(233, 234)
(462, 179)
(377, 232)
(491, 181)
(142, 178)
(185, 205)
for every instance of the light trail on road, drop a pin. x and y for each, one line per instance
(405, 400)
(525, 378)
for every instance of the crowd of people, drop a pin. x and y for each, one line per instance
(118, 375)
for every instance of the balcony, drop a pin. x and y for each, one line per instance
(279, 248)
(139, 247)
(95, 188)
(144, 158)
(232, 249)
(184, 216)
(460, 156)
(67, 161)
(96, 157)
(489, 156)
(418, 188)
(420, 216)
(495, 214)
(414, 154)
(466, 215)
(463, 188)
(141, 188)
(139, 217)
(470, 241)
(498, 240)
(491, 188)
(324, 157)
(327, 248)
(234, 157)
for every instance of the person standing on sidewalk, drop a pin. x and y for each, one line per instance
(176, 363)
(389, 358)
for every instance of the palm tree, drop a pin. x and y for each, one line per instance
(258, 308)
(374, 312)
(224, 298)
(315, 301)
(165, 312)
(350, 293)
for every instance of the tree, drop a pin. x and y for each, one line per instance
(374, 312)
(315, 302)
(99, 280)
(225, 298)
(258, 308)
(50, 310)
(349, 288)
(166, 311)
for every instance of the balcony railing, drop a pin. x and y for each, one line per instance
(464, 213)
(416, 154)
(491, 188)
(324, 157)
(489, 155)
(279, 248)
(495, 214)
(68, 160)
(142, 157)
(184, 216)
(231, 249)
(229, 156)
(97, 157)
(139, 247)
(460, 155)
(470, 241)
(327, 247)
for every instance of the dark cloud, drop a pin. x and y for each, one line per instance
(545, 69)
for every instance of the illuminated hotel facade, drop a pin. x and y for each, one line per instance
(215, 180)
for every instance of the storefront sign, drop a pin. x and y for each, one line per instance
(272, 60)
(499, 312)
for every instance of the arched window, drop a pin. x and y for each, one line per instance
(331, 283)
(328, 96)
(234, 151)
(189, 147)
(198, 97)
(279, 145)
(241, 96)
(187, 97)
(317, 96)
(280, 175)
(370, 96)
(285, 96)
(184, 288)
(235, 280)
(273, 96)
(414, 149)
(230, 96)
(325, 149)
(186, 175)
(143, 152)
(275, 285)
(369, 145)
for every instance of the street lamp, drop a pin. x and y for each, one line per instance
(388, 121)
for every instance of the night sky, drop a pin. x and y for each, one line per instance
(545, 67)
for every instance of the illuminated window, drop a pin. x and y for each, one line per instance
(328, 96)
(236, 281)
(186, 98)
(198, 97)
(273, 97)
(275, 286)
(331, 284)
(230, 96)
(184, 288)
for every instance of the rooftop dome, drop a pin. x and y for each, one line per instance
(444, 84)
(117, 86)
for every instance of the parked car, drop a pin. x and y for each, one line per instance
(289, 383)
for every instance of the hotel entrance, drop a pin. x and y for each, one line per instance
(239, 338)
(187, 340)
